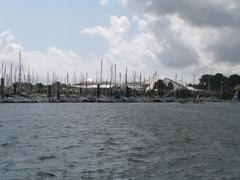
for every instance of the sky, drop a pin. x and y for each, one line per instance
(183, 37)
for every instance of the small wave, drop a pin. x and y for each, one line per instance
(110, 141)
(5, 145)
(72, 146)
(43, 158)
(135, 160)
(46, 174)
(138, 148)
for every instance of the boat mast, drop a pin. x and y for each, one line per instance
(20, 72)
(115, 80)
(101, 71)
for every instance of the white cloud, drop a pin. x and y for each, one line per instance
(168, 44)
(118, 27)
(8, 44)
(136, 52)
(209, 28)
(104, 2)
(164, 42)
(119, 24)
(215, 13)
(54, 60)
(213, 55)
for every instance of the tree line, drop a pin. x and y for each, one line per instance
(218, 84)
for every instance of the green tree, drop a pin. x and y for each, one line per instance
(233, 81)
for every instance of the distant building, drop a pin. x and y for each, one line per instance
(237, 87)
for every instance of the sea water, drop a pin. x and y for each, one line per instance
(120, 141)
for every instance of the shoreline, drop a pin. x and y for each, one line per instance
(75, 99)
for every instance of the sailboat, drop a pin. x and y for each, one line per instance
(236, 96)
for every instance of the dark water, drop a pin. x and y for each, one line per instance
(120, 141)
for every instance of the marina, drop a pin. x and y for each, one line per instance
(119, 90)
(22, 87)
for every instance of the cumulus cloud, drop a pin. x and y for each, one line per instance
(177, 36)
(227, 46)
(8, 44)
(118, 26)
(203, 33)
(171, 36)
(53, 60)
(200, 13)
(135, 51)
(156, 46)
(176, 52)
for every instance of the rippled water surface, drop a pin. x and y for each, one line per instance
(120, 141)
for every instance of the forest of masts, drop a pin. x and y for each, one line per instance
(16, 80)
